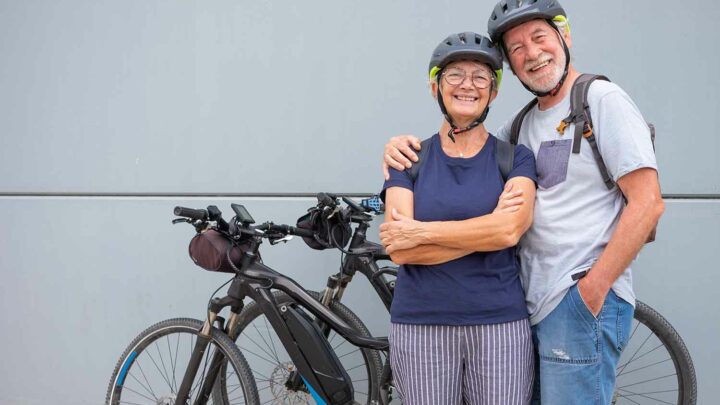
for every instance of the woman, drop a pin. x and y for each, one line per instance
(460, 331)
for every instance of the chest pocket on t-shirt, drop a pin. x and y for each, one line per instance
(552, 162)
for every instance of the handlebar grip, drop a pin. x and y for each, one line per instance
(214, 214)
(354, 205)
(300, 231)
(191, 213)
(291, 230)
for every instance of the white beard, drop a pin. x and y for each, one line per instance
(547, 82)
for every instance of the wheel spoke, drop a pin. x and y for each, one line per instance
(348, 353)
(652, 379)
(139, 394)
(148, 386)
(270, 338)
(245, 349)
(636, 351)
(644, 367)
(162, 374)
(640, 357)
(644, 396)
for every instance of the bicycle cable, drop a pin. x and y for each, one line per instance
(218, 289)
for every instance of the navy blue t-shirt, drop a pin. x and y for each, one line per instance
(482, 287)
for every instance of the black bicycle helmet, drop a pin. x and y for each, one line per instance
(465, 46)
(509, 14)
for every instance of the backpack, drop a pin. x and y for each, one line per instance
(504, 156)
(580, 116)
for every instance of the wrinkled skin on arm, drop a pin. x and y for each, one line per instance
(641, 214)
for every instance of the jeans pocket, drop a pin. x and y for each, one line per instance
(581, 306)
(552, 162)
(568, 335)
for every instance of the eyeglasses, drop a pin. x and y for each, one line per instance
(480, 78)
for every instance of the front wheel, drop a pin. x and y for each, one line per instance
(655, 367)
(152, 367)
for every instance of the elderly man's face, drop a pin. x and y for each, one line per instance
(536, 54)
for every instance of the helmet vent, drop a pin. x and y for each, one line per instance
(504, 8)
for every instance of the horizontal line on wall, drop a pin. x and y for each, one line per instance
(258, 195)
(691, 196)
(176, 195)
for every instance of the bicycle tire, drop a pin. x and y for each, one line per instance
(130, 383)
(650, 353)
(273, 390)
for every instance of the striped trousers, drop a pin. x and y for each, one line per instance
(449, 365)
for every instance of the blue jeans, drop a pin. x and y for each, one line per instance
(577, 354)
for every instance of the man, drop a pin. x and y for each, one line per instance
(576, 256)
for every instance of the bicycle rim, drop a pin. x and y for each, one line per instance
(655, 366)
(151, 369)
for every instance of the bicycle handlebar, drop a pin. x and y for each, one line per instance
(213, 214)
(354, 212)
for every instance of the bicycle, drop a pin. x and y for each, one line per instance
(215, 371)
(362, 256)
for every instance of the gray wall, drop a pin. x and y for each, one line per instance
(113, 112)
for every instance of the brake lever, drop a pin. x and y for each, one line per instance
(335, 210)
(179, 220)
(284, 239)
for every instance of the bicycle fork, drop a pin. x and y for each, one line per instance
(204, 337)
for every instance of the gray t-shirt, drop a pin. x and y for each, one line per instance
(575, 214)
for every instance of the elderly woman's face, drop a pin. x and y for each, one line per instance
(466, 89)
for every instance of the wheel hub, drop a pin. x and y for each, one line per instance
(281, 392)
(166, 400)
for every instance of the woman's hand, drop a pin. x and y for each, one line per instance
(401, 233)
(510, 200)
(399, 154)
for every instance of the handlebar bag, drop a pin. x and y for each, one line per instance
(209, 250)
(333, 232)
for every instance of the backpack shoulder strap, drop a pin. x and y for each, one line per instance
(518, 120)
(505, 157)
(579, 109)
(581, 117)
(415, 168)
